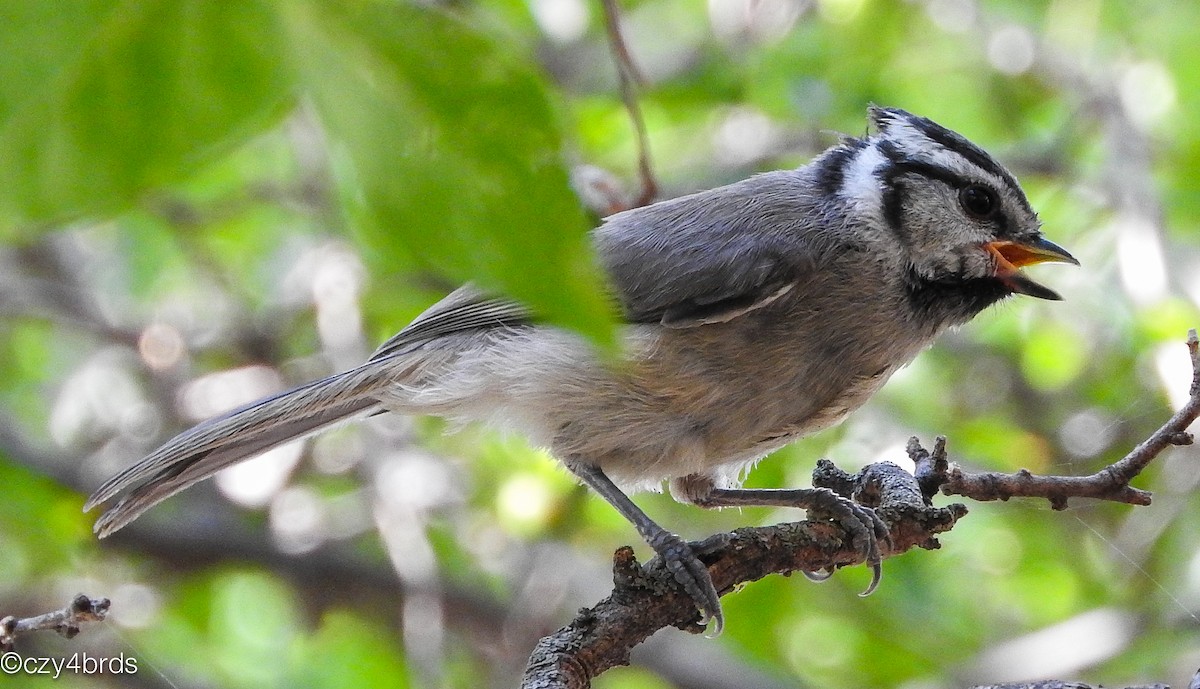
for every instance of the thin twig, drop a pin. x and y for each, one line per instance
(628, 78)
(1060, 684)
(67, 621)
(1110, 483)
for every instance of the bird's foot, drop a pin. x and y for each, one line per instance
(865, 527)
(692, 575)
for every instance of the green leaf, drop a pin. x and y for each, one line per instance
(448, 154)
(113, 98)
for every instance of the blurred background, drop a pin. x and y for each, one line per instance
(205, 202)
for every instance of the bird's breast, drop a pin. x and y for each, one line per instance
(747, 388)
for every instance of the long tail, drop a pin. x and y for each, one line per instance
(205, 449)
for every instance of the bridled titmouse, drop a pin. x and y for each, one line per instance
(756, 313)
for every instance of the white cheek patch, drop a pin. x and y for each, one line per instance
(861, 184)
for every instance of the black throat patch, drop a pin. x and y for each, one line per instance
(950, 302)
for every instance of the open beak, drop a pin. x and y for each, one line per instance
(1011, 256)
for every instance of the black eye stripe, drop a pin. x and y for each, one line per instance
(893, 204)
(893, 196)
(953, 141)
(900, 164)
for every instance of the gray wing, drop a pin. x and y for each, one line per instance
(466, 308)
(716, 255)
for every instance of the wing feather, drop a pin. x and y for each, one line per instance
(466, 308)
(716, 255)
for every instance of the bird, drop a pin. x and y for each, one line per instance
(752, 314)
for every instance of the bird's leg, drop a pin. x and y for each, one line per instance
(865, 527)
(688, 570)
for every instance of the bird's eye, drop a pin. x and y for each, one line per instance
(978, 201)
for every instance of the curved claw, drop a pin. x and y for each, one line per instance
(876, 575)
(873, 530)
(693, 576)
(866, 529)
(881, 534)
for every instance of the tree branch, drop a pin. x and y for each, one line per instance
(67, 621)
(646, 599)
(1060, 684)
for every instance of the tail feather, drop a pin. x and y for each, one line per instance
(202, 451)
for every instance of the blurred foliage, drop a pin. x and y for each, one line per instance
(204, 200)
